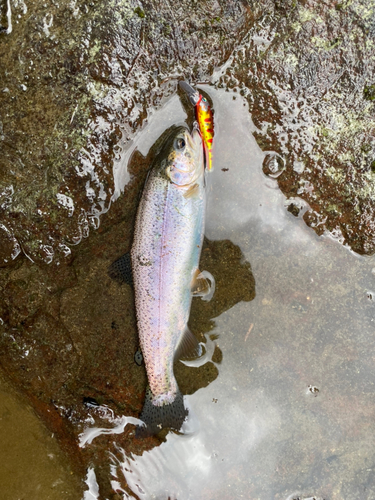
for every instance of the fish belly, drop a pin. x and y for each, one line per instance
(165, 254)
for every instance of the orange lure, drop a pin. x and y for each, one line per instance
(205, 119)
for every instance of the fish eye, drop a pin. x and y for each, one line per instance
(180, 143)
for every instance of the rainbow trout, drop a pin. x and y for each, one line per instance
(165, 256)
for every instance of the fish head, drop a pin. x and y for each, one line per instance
(184, 165)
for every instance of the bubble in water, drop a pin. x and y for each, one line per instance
(273, 165)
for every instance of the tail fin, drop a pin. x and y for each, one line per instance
(156, 418)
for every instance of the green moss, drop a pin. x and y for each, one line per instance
(369, 93)
(306, 15)
(335, 174)
(332, 208)
(93, 51)
(335, 43)
(140, 13)
(343, 5)
(321, 43)
(167, 29)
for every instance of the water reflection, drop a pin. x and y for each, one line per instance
(196, 464)
(289, 410)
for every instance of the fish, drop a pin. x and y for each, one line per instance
(204, 118)
(164, 258)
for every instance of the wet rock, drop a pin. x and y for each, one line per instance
(273, 165)
(78, 81)
(9, 247)
(301, 67)
(57, 342)
(293, 209)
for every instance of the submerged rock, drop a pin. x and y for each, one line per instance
(68, 333)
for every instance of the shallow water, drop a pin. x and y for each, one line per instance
(291, 412)
(32, 465)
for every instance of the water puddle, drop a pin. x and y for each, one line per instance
(290, 413)
(170, 113)
(281, 404)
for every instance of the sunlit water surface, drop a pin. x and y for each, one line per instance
(291, 414)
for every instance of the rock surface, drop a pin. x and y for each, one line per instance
(78, 81)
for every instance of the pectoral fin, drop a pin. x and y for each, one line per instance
(192, 191)
(121, 270)
(203, 285)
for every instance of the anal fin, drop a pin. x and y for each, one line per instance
(188, 346)
(121, 270)
(203, 285)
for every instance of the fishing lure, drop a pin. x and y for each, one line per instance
(204, 118)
